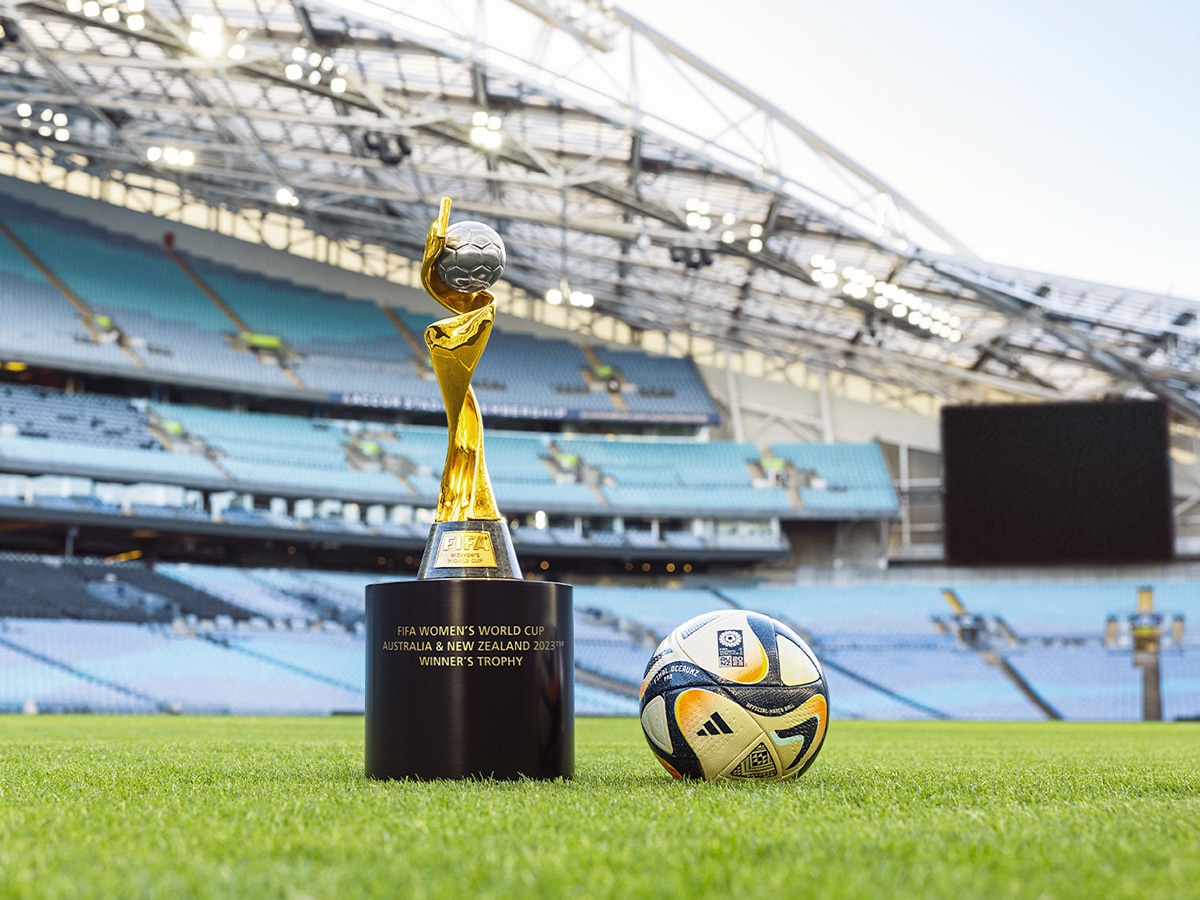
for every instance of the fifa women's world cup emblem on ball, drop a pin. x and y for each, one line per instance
(469, 538)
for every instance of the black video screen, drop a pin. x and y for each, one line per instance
(1057, 483)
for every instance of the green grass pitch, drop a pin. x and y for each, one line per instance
(259, 808)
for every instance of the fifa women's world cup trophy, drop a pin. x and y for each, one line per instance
(470, 668)
(469, 539)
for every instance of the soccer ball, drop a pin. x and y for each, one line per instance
(473, 258)
(734, 694)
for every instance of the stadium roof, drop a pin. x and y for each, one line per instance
(607, 156)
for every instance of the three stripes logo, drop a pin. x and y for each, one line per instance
(714, 725)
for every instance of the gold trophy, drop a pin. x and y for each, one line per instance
(470, 668)
(469, 538)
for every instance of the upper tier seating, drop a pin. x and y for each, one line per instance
(166, 320)
(844, 478)
(664, 385)
(149, 315)
(664, 476)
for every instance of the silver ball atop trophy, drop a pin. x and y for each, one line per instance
(473, 259)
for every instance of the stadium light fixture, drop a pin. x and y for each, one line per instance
(391, 149)
(692, 257)
(285, 196)
(485, 130)
(207, 37)
(49, 124)
(176, 157)
(302, 63)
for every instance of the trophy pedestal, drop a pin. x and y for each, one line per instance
(470, 678)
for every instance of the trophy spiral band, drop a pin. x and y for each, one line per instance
(470, 668)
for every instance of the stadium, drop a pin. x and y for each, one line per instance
(732, 369)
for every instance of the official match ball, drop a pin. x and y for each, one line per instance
(473, 259)
(734, 694)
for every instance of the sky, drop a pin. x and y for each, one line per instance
(1056, 135)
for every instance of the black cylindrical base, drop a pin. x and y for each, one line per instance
(470, 678)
